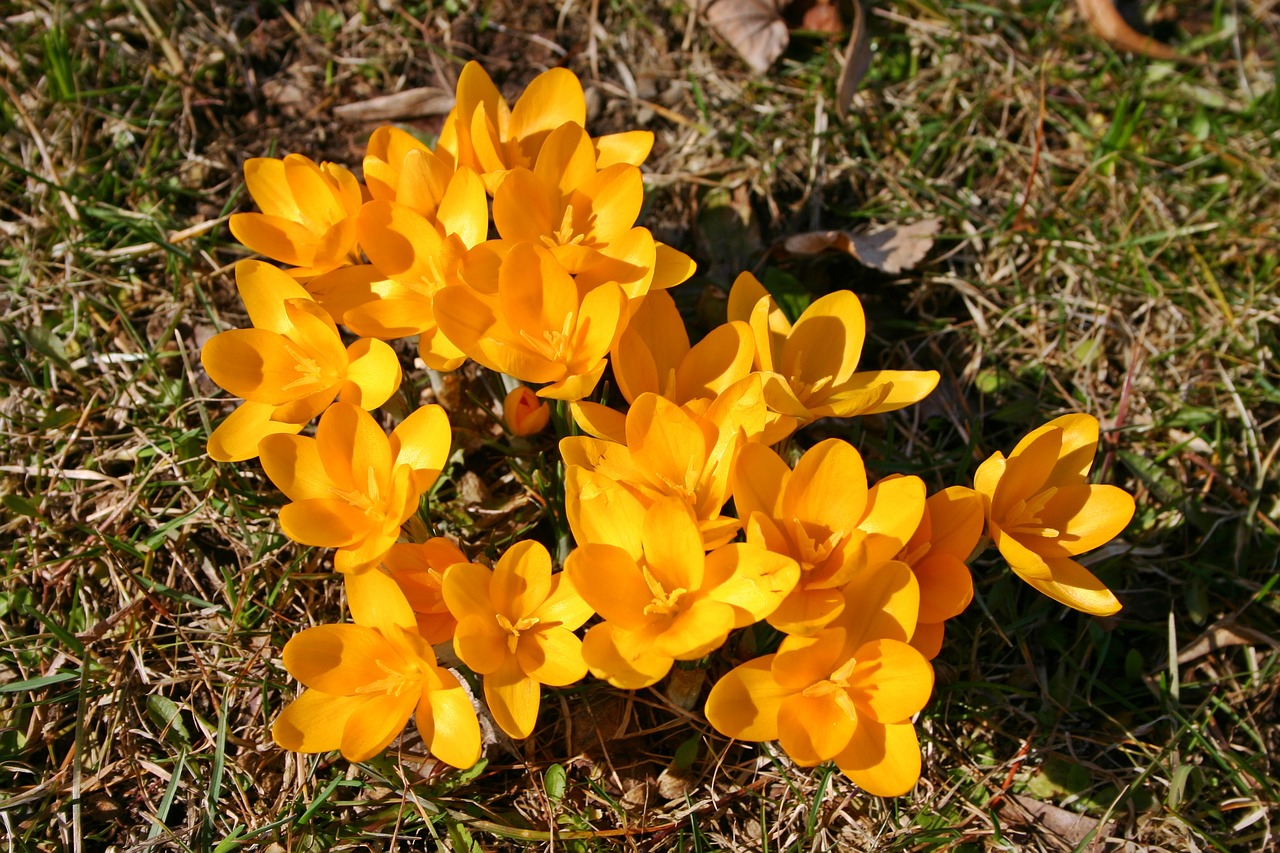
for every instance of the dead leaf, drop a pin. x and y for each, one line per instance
(897, 248)
(857, 59)
(891, 250)
(1111, 27)
(1070, 826)
(1222, 634)
(411, 103)
(754, 28)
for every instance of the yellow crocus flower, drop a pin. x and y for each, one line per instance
(832, 698)
(823, 515)
(352, 486)
(483, 132)
(668, 600)
(1042, 511)
(365, 680)
(290, 366)
(810, 370)
(538, 326)
(515, 628)
(308, 217)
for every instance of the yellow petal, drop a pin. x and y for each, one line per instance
(882, 601)
(265, 179)
(563, 606)
(632, 146)
(465, 588)
(340, 659)
(264, 288)
(376, 600)
(513, 699)
(750, 579)
(523, 208)
(826, 342)
(400, 242)
(377, 722)
(612, 654)
(902, 387)
(373, 372)
(236, 438)
(719, 360)
(891, 680)
(927, 639)
(600, 421)
(696, 630)
(279, 239)
(611, 199)
(552, 98)
(314, 721)
(566, 159)
(895, 506)
(828, 487)
(672, 545)
(671, 267)
(1077, 587)
(1078, 435)
(355, 451)
(611, 582)
(262, 366)
(1085, 517)
(422, 441)
(601, 511)
(552, 656)
(946, 587)
(882, 759)
(813, 729)
(293, 463)
(956, 519)
(804, 661)
(324, 522)
(448, 724)
(521, 579)
(744, 703)
(806, 611)
(759, 479)
(481, 643)
(464, 209)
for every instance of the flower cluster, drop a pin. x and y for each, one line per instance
(514, 243)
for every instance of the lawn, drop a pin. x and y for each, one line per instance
(1108, 244)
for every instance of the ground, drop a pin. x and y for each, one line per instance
(1110, 243)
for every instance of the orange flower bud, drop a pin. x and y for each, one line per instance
(524, 413)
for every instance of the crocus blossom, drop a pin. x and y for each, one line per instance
(483, 132)
(810, 370)
(290, 365)
(845, 694)
(1042, 511)
(523, 413)
(823, 515)
(352, 486)
(308, 213)
(515, 627)
(675, 602)
(365, 680)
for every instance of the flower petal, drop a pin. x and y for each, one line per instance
(513, 699)
(615, 655)
(314, 721)
(813, 729)
(339, 659)
(882, 759)
(377, 722)
(448, 724)
(744, 703)
(236, 438)
(1077, 587)
(552, 656)
(521, 580)
(890, 681)
(375, 600)
(325, 523)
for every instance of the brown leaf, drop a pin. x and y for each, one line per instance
(411, 103)
(857, 59)
(1112, 28)
(1070, 826)
(897, 248)
(891, 250)
(823, 17)
(1221, 635)
(753, 28)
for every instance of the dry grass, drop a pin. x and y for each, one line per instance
(1110, 246)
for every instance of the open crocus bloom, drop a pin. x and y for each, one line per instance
(846, 694)
(669, 450)
(483, 132)
(823, 515)
(810, 368)
(664, 599)
(308, 213)
(290, 366)
(538, 327)
(1042, 511)
(515, 627)
(365, 680)
(352, 487)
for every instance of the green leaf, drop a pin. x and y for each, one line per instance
(164, 712)
(555, 781)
